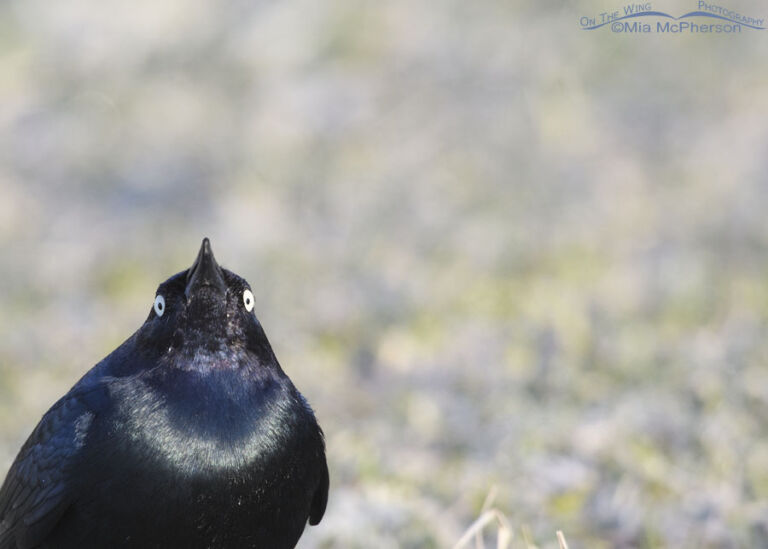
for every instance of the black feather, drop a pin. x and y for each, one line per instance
(187, 435)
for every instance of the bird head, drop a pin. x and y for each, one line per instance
(203, 318)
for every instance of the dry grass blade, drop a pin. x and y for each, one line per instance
(561, 540)
(504, 535)
(487, 504)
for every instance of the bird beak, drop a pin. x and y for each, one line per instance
(205, 272)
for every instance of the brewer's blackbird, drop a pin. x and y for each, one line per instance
(187, 435)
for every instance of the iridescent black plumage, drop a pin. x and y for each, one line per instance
(187, 435)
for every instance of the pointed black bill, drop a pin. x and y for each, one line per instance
(205, 271)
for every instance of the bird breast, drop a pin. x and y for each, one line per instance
(200, 426)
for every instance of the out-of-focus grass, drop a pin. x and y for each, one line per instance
(490, 248)
(494, 523)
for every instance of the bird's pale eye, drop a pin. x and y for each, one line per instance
(248, 300)
(159, 305)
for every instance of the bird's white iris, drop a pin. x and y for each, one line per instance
(248, 300)
(159, 305)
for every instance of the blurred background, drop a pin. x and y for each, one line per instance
(493, 250)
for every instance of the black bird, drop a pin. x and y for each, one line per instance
(187, 435)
